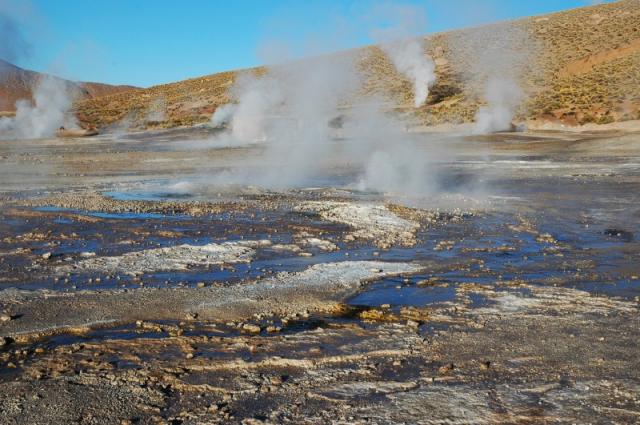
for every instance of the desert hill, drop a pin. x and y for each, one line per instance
(575, 67)
(17, 83)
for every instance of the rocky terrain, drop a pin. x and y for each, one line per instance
(124, 302)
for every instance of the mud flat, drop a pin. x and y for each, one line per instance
(125, 301)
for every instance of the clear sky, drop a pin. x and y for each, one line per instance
(147, 42)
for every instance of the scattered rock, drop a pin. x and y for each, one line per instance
(413, 323)
(250, 327)
(446, 368)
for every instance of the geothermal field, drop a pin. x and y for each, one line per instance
(317, 251)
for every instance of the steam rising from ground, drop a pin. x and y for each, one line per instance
(399, 40)
(496, 58)
(311, 121)
(503, 97)
(157, 110)
(408, 57)
(52, 98)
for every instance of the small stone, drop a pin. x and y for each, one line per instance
(4, 341)
(413, 323)
(46, 255)
(189, 355)
(200, 284)
(5, 318)
(249, 327)
(446, 368)
(276, 380)
(273, 329)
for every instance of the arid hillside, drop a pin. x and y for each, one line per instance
(17, 83)
(575, 67)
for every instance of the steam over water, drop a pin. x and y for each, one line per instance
(303, 112)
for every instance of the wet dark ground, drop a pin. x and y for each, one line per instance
(549, 218)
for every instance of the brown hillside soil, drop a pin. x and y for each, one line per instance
(17, 83)
(581, 66)
(587, 64)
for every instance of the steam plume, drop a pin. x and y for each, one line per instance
(399, 40)
(52, 98)
(502, 96)
(494, 59)
(307, 116)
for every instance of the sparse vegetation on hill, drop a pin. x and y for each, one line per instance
(581, 66)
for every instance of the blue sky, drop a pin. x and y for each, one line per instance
(147, 42)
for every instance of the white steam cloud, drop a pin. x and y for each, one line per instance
(157, 110)
(399, 40)
(311, 124)
(495, 59)
(408, 57)
(52, 98)
(299, 111)
(503, 97)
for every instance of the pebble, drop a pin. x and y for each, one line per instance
(200, 285)
(249, 327)
(46, 255)
(5, 318)
(276, 380)
(413, 323)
